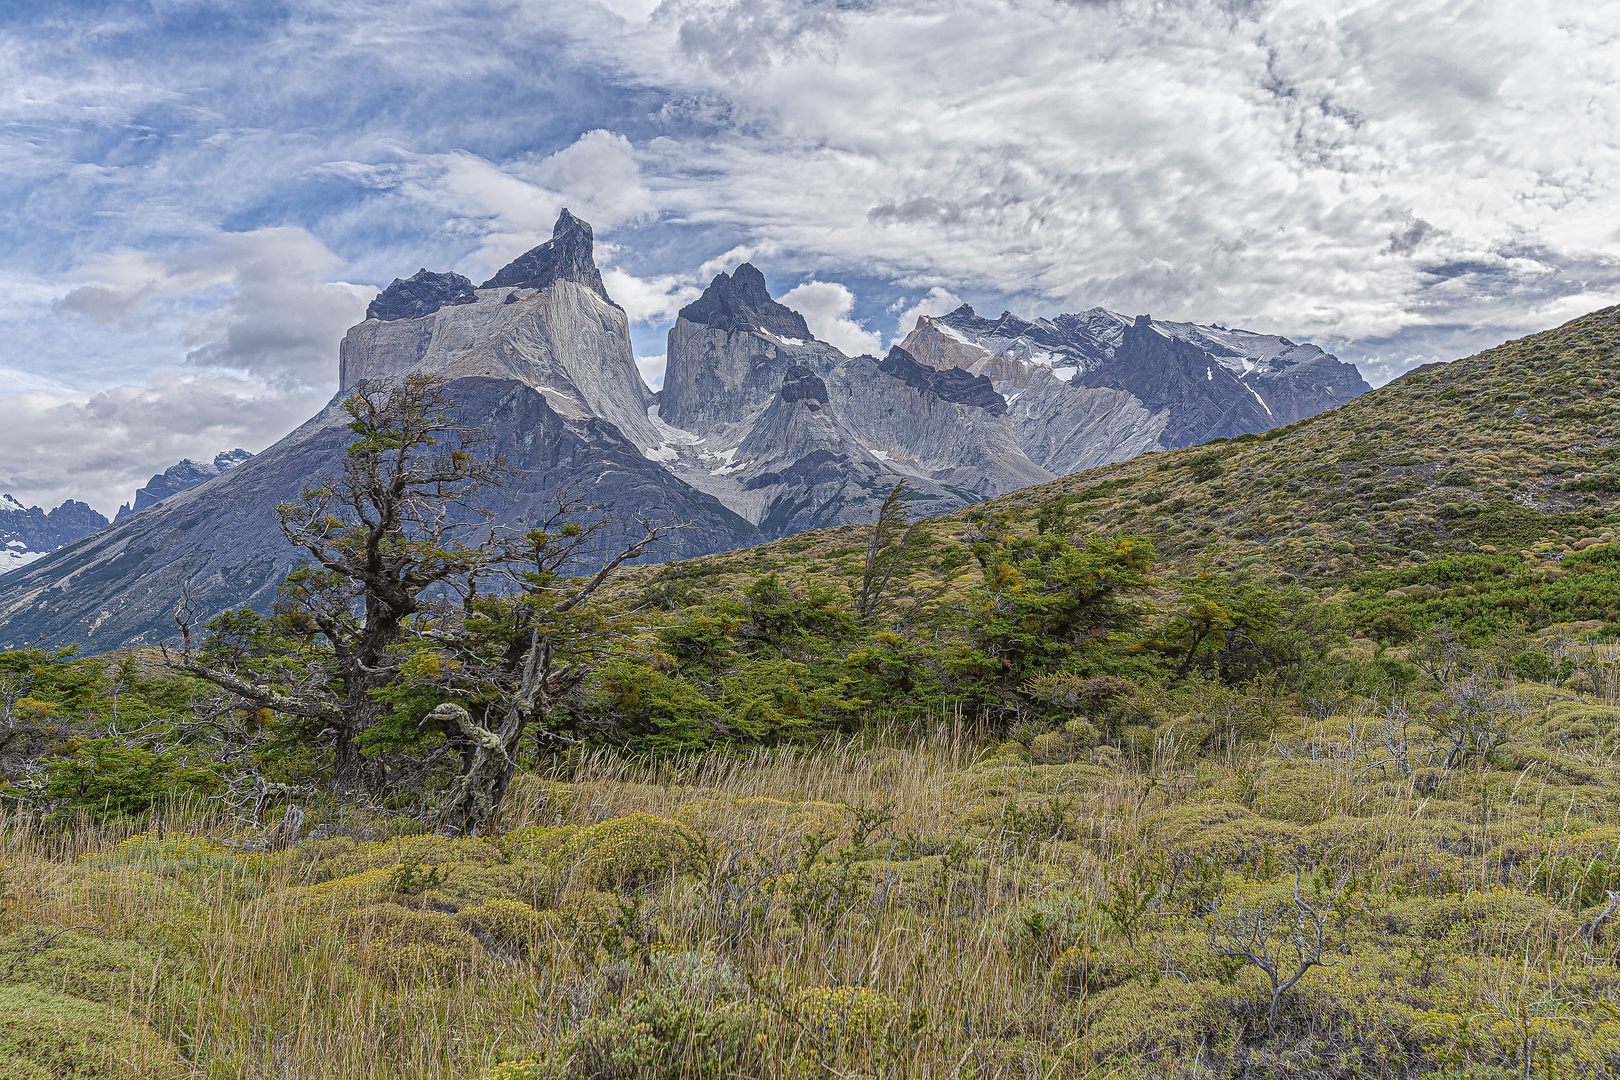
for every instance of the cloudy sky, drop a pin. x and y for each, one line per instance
(196, 199)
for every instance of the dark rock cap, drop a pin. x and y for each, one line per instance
(950, 384)
(423, 293)
(741, 302)
(570, 255)
(802, 384)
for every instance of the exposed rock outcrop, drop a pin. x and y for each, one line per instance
(951, 384)
(179, 477)
(791, 434)
(740, 302)
(423, 293)
(567, 256)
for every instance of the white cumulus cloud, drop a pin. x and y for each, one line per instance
(258, 302)
(99, 447)
(654, 299)
(826, 306)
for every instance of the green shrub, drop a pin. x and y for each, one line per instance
(46, 1035)
(84, 965)
(1052, 748)
(627, 852)
(511, 925)
(653, 1035)
(1392, 626)
(111, 778)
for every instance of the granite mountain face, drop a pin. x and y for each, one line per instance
(1094, 388)
(792, 434)
(760, 429)
(542, 360)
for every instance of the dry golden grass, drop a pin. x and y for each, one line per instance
(968, 931)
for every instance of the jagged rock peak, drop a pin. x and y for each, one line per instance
(950, 384)
(570, 255)
(739, 301)
(177, 478)
(423, 293)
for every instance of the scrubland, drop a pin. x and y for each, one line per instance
(1292, 755)
(921, 902)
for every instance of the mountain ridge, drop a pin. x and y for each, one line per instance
(760, 430)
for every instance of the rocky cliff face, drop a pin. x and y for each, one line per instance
(760, 430)
(1095, 387)
(791, 434)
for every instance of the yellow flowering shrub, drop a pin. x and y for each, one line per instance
(627, 852)
(527, 1068)
(846, 1011)
(408, 945)
(1234, 834)
(511, 924)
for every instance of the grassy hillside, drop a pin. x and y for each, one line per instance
(1509, 453)
(1287, 756)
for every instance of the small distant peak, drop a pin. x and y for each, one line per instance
(963, 312)
(570, 255)
(423, 293)
(740, 302)
(229, 459)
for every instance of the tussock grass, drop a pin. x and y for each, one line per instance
(922, 905)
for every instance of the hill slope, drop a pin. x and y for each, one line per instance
(1509, 456)
(1496, 451)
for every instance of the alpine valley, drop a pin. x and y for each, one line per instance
(760, 429)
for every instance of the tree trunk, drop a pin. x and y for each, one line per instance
(352, 771)
(478, 792)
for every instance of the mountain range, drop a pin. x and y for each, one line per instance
(759, 431)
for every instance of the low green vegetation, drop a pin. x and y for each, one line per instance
(1289, 755)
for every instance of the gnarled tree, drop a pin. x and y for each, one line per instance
(516, 656)
(397, 522)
